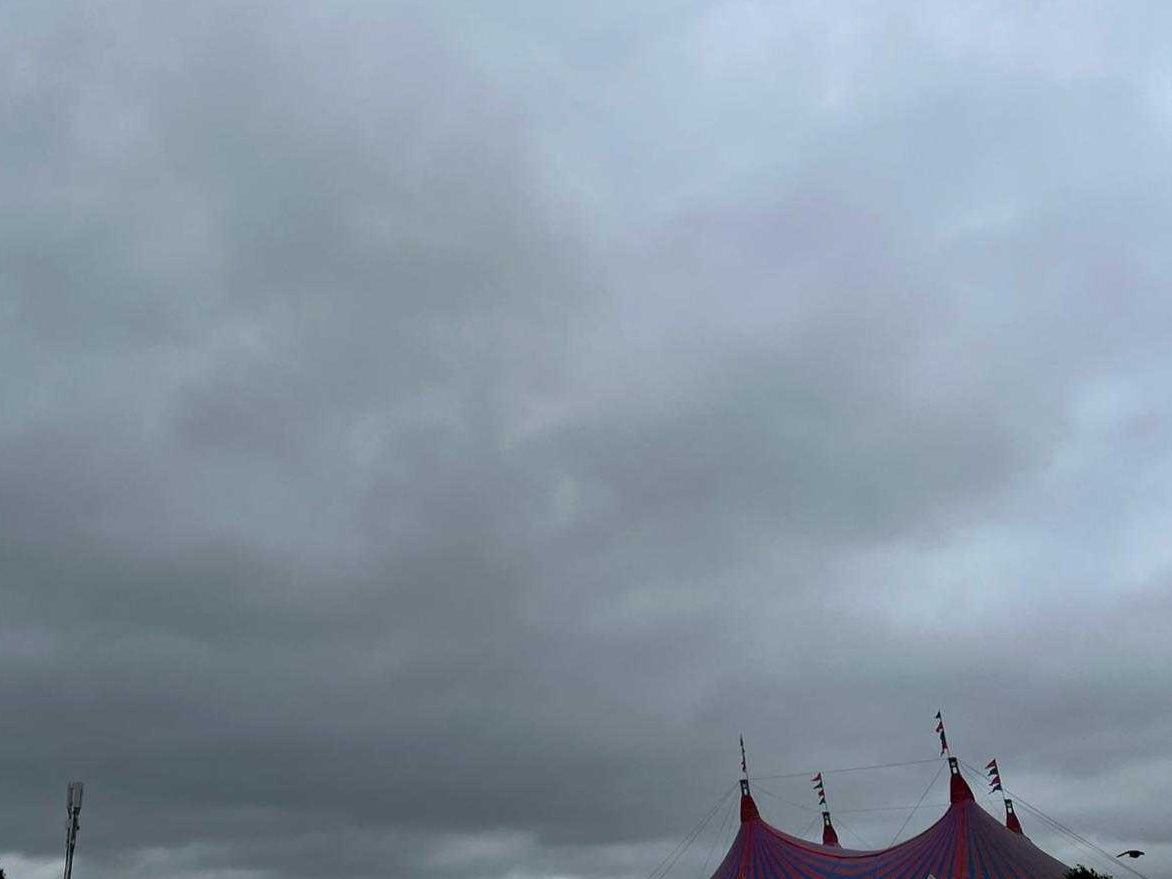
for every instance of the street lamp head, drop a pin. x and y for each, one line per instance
(73, 797)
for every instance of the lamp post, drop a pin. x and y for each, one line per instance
(73, 809)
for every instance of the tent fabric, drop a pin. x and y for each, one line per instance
(965, 843)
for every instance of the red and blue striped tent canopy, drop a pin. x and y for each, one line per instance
(966, 843)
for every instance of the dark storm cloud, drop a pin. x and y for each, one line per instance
(429, 440)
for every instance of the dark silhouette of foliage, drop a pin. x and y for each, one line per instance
(1078, 871)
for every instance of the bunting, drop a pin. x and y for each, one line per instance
(819, 789)
(994, 776)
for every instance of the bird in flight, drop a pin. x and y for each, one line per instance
(1130, 853)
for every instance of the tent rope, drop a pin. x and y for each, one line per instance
(847, 769)
(760, 788)
(866, 846)
(810, 826)
(670, 859)
(889, 808)
(728, 813)
(917, 806)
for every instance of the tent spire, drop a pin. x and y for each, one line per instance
(829, 837)
(748, 807)
(1011, 818)
(994, 771)
(958, 788)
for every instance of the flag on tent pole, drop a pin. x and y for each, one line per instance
(994, 776)
(744, 766)
(819, 789)
(940, 732)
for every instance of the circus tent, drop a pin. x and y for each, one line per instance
(965, 843)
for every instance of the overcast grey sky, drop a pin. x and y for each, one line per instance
(432, 432)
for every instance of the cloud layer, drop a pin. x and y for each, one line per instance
(431, 437)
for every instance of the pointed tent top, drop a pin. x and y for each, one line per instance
(959, 789)
(748, 806)
(1011, 821)
(829, 837)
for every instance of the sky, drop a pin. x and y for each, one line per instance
(432, 433)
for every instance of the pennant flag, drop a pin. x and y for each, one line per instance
(943, 743)
(940, 727)
(994, 773)
(819, 788)
(938, 717)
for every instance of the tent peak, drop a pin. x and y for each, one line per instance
(748, 807)
(959, 789)
(1011, 821)
(829, 837)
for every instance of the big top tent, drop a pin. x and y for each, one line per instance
(965, 843)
